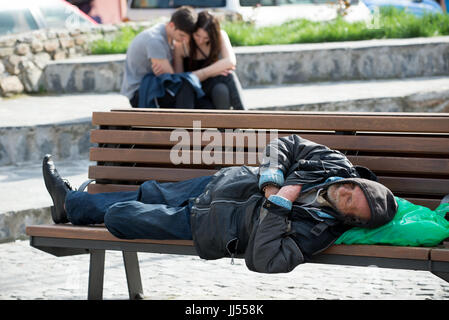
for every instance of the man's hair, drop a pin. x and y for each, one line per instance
(184, 19)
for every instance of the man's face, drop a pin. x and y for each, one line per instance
(350, 200)
(181, 36)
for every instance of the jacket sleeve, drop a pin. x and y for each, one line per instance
(270, 249)
(295, 160)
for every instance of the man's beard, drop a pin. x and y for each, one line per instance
(332, 196)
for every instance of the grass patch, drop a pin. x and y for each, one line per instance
(390, 23)
(117, 45)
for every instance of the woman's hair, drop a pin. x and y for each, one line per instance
(211, 25)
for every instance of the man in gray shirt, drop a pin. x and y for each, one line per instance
(151, 51)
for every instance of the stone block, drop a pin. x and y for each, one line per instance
(12, 64)
(41, 59)
(31, 76)
(62, 34)
(71, 53)
(67, 42)
(36, 46)
(22, 49)
(75, 32)
(7, 51)
(39, 35)
(51, 34)
(51, 45)
(10, 85)
(59, 55)
(8, 41)
(80, 40)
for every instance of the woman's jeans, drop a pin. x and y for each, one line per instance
(222, 92)
(155, 211)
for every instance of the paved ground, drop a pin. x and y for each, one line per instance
(74, 107)
(27, 273)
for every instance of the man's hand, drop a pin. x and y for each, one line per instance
(283, 197)
(270, 190)
(157, 68)
(290, 192)
(161, 66)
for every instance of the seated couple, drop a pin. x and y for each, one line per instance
(185, 63)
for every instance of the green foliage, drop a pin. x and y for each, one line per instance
(389, 23)
(117, 45)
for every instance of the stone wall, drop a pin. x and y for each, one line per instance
(343, 61)
(29, 144)
(55, 61)
(23, 57)
(279, 64)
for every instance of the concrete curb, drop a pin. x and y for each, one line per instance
(13, 223)
(21, 145)
(420, 102)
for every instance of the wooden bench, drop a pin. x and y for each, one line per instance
(408, 152)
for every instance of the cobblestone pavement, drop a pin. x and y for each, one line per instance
(27, 273)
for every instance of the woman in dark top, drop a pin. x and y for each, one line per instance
(210, 56)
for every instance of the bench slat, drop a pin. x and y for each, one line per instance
(294, 121)
(215, 112)
(144, 174)
(100, 233)
(440, 255)
(69, 231)
(380, 251)
(403, 185)
(100, 188)
(437, 187)
(166, 174)
(372, 143)
(375, 163)
(403, 164)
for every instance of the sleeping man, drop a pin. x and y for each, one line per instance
(296, 204)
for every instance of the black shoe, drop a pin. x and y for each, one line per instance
(57, 188)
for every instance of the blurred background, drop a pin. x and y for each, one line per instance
(24, 15)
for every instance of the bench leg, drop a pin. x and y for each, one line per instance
(133, 275)
(96, 275)
(442, 275)
(440, 269)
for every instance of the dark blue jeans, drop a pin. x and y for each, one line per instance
(155, 211)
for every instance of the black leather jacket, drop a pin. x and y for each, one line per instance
(232, 216)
